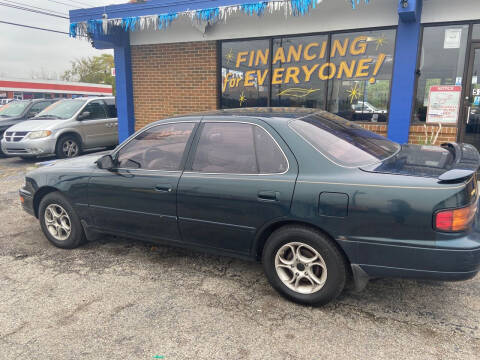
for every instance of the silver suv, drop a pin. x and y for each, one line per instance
(65, 128)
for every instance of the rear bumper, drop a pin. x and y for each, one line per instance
(450, 260)
(27, 148)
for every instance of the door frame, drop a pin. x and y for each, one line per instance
(466, 89)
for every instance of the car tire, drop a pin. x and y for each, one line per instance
(321, 269)
(59, 222)
(68, 146)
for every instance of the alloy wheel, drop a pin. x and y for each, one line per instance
(57, 222)
(301, 268)
(70, 148)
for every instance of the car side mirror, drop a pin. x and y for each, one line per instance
(32, 114)
(105, 162)
(84, 115)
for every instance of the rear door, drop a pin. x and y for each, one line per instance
(239, 177)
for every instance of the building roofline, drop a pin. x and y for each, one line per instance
(56, 82)
(152, 7)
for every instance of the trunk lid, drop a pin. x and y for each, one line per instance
(450, 162)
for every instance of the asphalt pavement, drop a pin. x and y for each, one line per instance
(124, 299)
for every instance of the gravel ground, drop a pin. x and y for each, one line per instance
(123, 299)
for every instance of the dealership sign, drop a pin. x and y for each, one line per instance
(305, 64)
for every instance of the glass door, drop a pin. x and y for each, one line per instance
(472, 99)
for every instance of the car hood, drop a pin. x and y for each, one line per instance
(85, 161)
(5, 123)
(449, 162)
(32, 125)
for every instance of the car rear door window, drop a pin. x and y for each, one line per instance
(157, 148)
(270, 157)
(237, 148)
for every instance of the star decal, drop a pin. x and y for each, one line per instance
(242, 99)
(380, 41)
(354, 93)
(229, 57)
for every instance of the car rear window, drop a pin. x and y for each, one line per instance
(342, 141)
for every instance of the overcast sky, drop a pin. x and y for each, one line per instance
(26, 52)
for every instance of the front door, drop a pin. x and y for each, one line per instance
(472, 99)
(138, 197)
(239, 177)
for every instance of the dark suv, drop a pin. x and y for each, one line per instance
(20, 110)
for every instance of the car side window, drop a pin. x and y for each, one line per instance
(96, 110)
(271, 159)
(158, 148)
(111, 108)
(37, 107)
(237, 148)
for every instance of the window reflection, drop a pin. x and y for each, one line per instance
(360, 93)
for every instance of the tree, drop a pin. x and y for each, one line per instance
(94, 69)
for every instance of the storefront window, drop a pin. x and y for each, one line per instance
(295, 77)
(361, 75)
(245, 73)
(353, 69)
(442, 62)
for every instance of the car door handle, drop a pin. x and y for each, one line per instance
(163, 188)
(268, 195)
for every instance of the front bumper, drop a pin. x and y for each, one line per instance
(448, 260)
(28, 147)
(26, 199)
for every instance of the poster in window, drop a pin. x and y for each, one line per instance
(444, 104)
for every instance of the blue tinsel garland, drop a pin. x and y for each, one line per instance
(96, 27)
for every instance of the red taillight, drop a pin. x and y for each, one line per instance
(455, 219)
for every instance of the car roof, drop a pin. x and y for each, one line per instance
(88, 98)
(287, 113)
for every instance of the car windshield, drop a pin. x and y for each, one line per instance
(14, 108)
(342, 141)
(63, 109)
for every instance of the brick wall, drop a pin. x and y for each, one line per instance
(173, 79)
(376, 128)
(417, 134)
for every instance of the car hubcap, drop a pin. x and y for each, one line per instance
(57, 222)
(301, 268)
(70, 148)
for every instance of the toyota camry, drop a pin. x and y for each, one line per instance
(318, 200)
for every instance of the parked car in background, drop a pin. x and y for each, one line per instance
(20, 110)
(65, 129)
(364, 111)
(5, 101)
(315, 197)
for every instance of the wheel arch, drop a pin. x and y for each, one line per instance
(266, 231)
(67, 133)
(39, 195)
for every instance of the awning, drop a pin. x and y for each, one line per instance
(159, 14)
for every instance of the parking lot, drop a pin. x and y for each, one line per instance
(123, 299)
